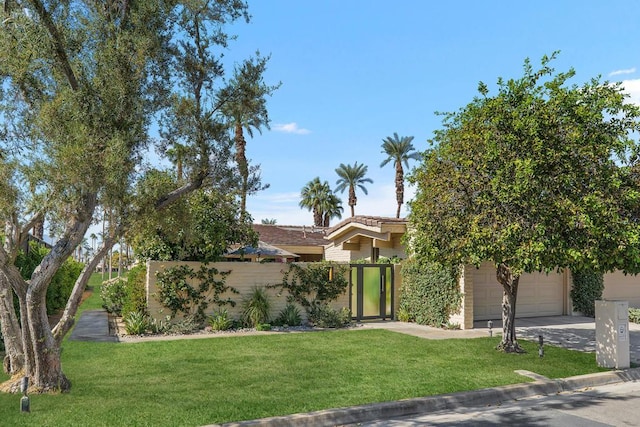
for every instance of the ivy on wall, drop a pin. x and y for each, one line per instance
(429, 293)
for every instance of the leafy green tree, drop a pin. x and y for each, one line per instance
(351, 177)
(317, 196)
(82, 82)
(399, 150)
(198, 227)
(532, 179)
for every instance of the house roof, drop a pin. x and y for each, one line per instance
(290, 235)
(376, 227)
(263, 250)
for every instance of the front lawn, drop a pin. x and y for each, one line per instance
(204, 381)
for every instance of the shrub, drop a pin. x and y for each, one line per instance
(113, 295)
(311, 285)
(176, 292)
(136, 323)
(255, 307)
(263, 327)
(185, 326)
(62, 282)
(289, 316)
(135, 290)
(220, 321)
(429, 293)
(634, 315)
(160, 326)
(587, 288)
(323, 316)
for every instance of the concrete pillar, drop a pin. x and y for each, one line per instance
(612, 334)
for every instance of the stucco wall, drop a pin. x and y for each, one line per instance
(244, 277)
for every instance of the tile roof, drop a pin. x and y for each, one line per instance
(292, 235)
(372, 221)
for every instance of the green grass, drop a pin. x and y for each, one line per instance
(94, 302)
(197, 382)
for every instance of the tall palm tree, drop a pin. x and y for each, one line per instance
(311, 197)
(246, 107)
(352, 177)
(400, 150)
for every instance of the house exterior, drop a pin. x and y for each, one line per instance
(365, 237)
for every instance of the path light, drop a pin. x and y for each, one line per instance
(24, 402)
(331, 274)
(541, 344)
(490, 325)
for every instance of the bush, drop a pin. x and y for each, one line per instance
(323, 316)
(314, 284)
(62, 282)
(255, 307)
(113, 295)
(634, 315)
(135, 290)
(289, 316)
(220, 321)
(136, 323)
(429, 293)
(587, 288)
(186, 326)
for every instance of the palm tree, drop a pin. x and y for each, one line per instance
(352, 177)
(317, 196)
(332, 207)
(246, 108)
(269, 221)
(400, 150)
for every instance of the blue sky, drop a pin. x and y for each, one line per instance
(355, 71)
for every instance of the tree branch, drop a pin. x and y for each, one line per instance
(60, 52)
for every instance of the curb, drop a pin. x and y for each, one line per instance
(408, 407)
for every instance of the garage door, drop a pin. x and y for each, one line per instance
(539, 294)
(618, 286)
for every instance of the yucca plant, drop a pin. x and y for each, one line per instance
(220, 321)
(255, 307)
(289, 316)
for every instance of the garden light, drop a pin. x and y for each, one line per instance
(24, 402)
(490, 326)
(541, 344)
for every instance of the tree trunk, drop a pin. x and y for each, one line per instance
(353, 200)
(47, 372)
(509, 282)
(14, 359)
(243, 166)
(399, 187)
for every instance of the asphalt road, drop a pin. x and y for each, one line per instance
(610, 405)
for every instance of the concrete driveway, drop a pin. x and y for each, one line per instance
(574, 332)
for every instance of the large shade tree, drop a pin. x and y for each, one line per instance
(352, 177)
(399, 150)
(533, 178)
(82, 81)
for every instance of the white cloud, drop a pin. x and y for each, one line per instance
(290, 128)
(632, 87)
(625, 71)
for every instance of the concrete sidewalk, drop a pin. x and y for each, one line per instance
(93, 325)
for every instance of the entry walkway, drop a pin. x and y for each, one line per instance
(93, 325)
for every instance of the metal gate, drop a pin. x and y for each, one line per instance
(371, 295)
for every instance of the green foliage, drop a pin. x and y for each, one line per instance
(322, 315)
(113, 295)
(187, 325)
(136, 323)
(587, 288)
(135, 290)
(220, 320)
(256, 307)
(62, 282)
(429, 293)
(352, 177)
(317, 196)
(199, 227)
(289, 316)
(263, 327)
(535, 177)
(177, 293)
(634, 315)
(310, 285)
